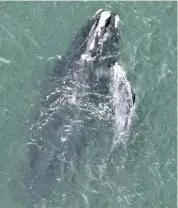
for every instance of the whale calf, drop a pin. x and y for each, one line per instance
(85, 86)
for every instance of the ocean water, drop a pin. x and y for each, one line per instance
(142, 173)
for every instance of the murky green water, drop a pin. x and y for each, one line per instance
(142, 174)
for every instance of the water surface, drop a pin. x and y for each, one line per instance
(141, 174)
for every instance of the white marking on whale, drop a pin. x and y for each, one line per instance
(117, 20)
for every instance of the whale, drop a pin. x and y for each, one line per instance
(86, 86)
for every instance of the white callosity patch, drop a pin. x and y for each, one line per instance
(101, 23)
(116, 21)
(122, 102)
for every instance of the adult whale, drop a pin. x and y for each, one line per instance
(86, 85)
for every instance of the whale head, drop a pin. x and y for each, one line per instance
(98, 38)
(103, 35)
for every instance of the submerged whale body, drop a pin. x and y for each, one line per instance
(86, 86)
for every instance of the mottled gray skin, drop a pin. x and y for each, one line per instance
(49, 157)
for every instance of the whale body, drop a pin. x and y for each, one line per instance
(87, 85)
